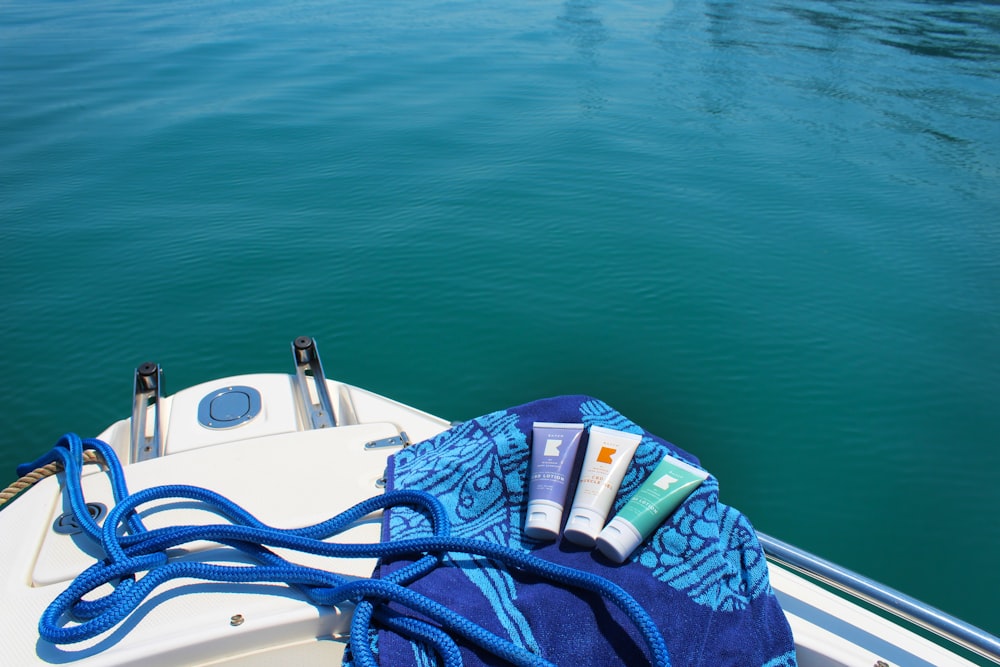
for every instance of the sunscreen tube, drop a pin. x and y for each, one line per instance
(608, 454)
(553, 453)
(663, 491)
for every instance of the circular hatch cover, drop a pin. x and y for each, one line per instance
(229, 407)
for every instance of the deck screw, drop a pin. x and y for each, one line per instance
(882, 663)
(237, 619)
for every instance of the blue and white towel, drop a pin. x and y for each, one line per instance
(702, 576)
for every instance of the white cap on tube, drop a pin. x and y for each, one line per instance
(583, 526)
(544, 519)
(618, 540)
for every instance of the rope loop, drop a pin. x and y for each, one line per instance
(138, 561)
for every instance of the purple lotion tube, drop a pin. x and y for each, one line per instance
(553, 453)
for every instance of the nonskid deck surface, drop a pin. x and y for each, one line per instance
(340, 472)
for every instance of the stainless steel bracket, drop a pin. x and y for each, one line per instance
(318, 412)
(401, 440)
(146, 395)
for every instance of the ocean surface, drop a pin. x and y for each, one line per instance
(768, 232)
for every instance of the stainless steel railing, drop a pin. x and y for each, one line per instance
(883, 597)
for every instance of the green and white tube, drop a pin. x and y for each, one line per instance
(670, 483)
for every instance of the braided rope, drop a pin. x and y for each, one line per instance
(137, 563)
(25, 482)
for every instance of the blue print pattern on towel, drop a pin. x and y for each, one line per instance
(598, 413)
(786, 660)
(495, 456)
(684, 553)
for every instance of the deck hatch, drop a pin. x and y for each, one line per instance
(228, 407)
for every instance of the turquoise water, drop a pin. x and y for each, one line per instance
(767, 233)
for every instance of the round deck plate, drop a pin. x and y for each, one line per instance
(229, 407)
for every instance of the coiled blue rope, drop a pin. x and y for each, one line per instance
(137, 562)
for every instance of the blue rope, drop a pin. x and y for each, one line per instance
(137, 563)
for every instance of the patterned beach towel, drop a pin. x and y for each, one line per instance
(702, 576)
